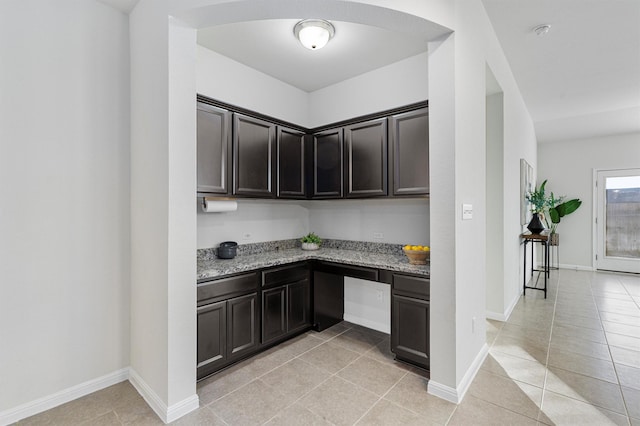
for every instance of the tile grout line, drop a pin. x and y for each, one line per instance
(315, 387)
(360, 355)
(382, 397)
(275, 368)
(615, 369)
(546, 363)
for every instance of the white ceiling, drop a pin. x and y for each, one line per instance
(123, 5)
(580, 80)
(270, 47)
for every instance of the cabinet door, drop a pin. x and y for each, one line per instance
(212, 337)
(214, 149)
(298, 305)
(410, 152)
(253, 156)
(366, 158)
(328, 164)
(242, 324)
(291, 161)
(274, 313)
(410, 329)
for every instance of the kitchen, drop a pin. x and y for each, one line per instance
(383, 211)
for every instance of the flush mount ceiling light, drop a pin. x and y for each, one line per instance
(314, 34)
(541, 30)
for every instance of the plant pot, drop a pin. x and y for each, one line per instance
(310, 246)
(554, 239)
(535, 226)
(227, 250)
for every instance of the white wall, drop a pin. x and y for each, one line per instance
(226, 80)
(401, 221)
(568, 166)
(64, 186)
(401, 83)
(458, 176)
(254, 221)
(368, 303)
(163, 224)
(494, 243)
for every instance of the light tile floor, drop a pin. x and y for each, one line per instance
(572, 359)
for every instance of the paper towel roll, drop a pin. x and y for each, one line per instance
(218, 206)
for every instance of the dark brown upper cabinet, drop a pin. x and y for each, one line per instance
(213, 149)
(366, 159)
(254, 161)
(328, 164)
(291, 163)
(409, 153)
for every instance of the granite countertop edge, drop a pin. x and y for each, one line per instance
(217, 268)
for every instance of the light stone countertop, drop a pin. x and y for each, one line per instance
(214, 268)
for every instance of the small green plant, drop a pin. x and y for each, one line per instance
(538, 199)
(311, 238)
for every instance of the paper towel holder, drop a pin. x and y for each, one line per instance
(225, 204)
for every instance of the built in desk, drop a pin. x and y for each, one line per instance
(543, 240)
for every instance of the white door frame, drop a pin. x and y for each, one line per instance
(599, 216)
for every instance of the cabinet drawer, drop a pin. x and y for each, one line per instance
(348, 271)
(225, 286)
(285, 274)
(420, 287)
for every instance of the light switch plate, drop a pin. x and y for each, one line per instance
(467, 211)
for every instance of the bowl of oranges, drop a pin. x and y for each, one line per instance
(417, 255)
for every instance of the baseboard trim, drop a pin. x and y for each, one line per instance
(384, 328)
(50, 401)
(471, 372)
(456, 394)
(497, 316)
(577, 267)
(175, 411)
(166, 413)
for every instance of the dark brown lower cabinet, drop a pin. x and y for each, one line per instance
(410, 319)
(298, 305)
(242, 313)
(285, 309)
(212, 337)
(410, 333)
(274, 313)
(227, 331)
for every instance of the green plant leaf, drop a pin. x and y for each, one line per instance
(554, 214)
(568, 207)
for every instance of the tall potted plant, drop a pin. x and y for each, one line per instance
(557, 210)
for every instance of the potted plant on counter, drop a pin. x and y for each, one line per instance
(311, 242)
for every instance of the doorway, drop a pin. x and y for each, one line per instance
(618, 220)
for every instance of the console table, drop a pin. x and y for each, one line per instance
(543, 240)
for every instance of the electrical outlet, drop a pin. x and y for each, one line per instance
(378, 235)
